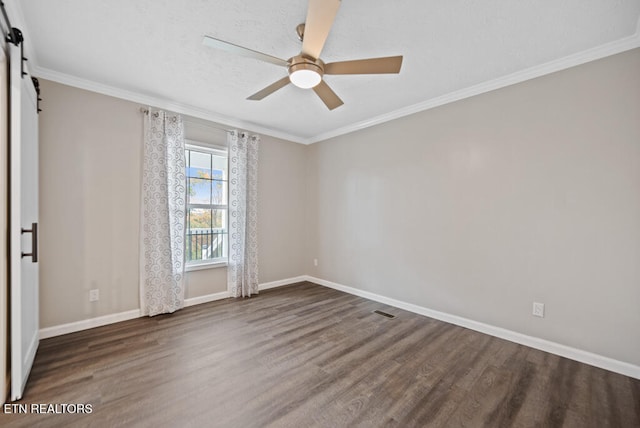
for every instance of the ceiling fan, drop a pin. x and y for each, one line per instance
(306, 69)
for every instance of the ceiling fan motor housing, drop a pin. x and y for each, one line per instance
(300, 62)
(312, 69)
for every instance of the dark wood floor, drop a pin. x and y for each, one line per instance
(305, 355)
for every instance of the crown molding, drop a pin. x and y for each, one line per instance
(17, 18)
(583, 57)
(589, 55)
(162, 103)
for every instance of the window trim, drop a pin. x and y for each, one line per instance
(209, 264)
(207, 148)
(215, 150)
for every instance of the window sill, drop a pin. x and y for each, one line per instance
(201, 266)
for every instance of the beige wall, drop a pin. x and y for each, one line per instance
(281, 209)
(480, 207)
(476, 208)
(90, 147)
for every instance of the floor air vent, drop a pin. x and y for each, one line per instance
(384, 314)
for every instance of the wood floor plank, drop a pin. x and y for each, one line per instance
(308, 356)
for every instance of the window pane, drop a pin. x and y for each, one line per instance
(219, 193)
(219, 217)
(219, 167)
(206, 236)
(206, 245)
(199, 165)
(199, 218)
(199, 191)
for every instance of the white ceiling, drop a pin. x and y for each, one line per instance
(151, 51)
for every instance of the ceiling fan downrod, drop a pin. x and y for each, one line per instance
(300, 31)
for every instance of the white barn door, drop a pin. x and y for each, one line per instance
(23, 220)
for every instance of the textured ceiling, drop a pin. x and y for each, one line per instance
(154, 48)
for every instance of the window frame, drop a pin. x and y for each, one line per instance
(216, 150)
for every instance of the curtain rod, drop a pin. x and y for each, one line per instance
(146, 111)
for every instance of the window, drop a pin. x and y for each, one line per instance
(207, 183)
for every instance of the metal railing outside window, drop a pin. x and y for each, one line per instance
(205, 244)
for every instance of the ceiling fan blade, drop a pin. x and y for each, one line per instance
(326, 94)
(320, 16)
(390, 64)
(270, 89)
(239, 50)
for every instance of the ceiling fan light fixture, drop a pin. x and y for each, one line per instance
(305, 73)
(305, 79)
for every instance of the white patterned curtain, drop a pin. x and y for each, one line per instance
(162, 214)
(242, 271)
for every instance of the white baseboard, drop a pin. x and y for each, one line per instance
(72, 327)
(580, 355)
(280, 283)
(206, 298)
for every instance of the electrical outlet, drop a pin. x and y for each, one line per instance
(538, 309)
(94, 295)
(315, 262)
